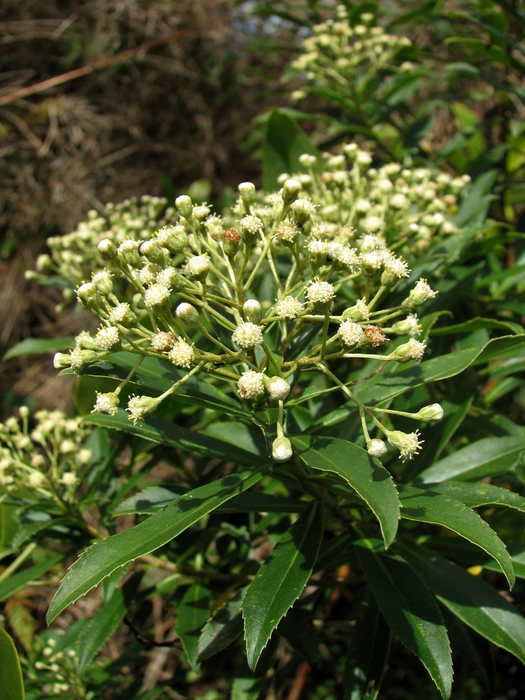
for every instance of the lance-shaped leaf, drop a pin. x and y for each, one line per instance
(365, 475)
(223, 628)
(409, 608)
(25, 577)
(10, 672)
(431, 507)
(102, 558)
(478, 460)
(480, 494)
(281, 580)
(368, 652)
(192, 614)
(476, 603)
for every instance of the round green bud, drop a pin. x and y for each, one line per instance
(184, 205)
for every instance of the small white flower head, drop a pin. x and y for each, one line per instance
(84, 455)
(252, 225)
(288, 308)
(318, 252)
(37, 461)
(251, 384)
(152, 250)
(432, 413)
(348, 257)
(376, 447)
(281, 449)
(358, 312)
(412, 350)
(398, 201)
(200, 212)
(162, 341)
(421, 292)
(103, 282)
(320, 292)
(252, 310)
(148, 273)
(106, 403)
(363, 206)
(351, 333)
(168, 277)
(69, 479)
(248, 335)
(394, 269)
(363, 158)
(107, 338)
(198, 266)
(287, 231)
(408, 444)
(128, 253)
(372, 262)
(302, 209)
(80, 358)
(277, 388)
(35, 479)
(181, 354)
(370, 242)
(140, 406)
(408, 326)
(123, 314)
(157, 296)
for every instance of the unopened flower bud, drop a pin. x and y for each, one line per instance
(277, 388)
(247, 192)
(376, 447)
(307, 161)
(108, 250)
(187, 313)
(281, 449)
(184, 205)
(290, 191)
(252, 311)
(430, 414)
(198, 266)
(61, 360)
(89, 295)
(152, 250)
(408, 326)
(358, 312)
(174, 238)
(419, 294)
(103, 282)
(140, 406)
(128, 253)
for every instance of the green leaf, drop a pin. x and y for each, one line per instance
(39, 346)
(25, 577)
(100, 628)
(476, 603)
(192, 613)
(281, 580)
(409, 608)
(365, 475)
(164, 433)
(432, 507)
(223, 628)
(10, 672)
(148, 501)
(480, 494)
(284, 143)
(368, 653)
(102, 558)
(475, 324)
(478, 460)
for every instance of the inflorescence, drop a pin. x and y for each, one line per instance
(281, 285)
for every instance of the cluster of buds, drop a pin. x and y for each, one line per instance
(274, 289)
(75, 256)
(342, 58)
(46, 460)
(55, 669)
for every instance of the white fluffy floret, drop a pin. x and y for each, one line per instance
(162, 341)
(251, 384)
(288, 308)
(320, 292)
(351, 333)
(156, 295)
(247, 335)
(181, 354)
(107, 337)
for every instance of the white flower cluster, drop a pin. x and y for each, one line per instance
(48, 459)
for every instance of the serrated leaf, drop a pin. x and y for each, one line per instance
(102, 558)
(281, 580)
(478, 460)
(11, 680)
(477, 604)
(432, 507)
(367, 476)
(193, 612)
(368, 651)
(480, 494)
(409, 608)
(223, 628)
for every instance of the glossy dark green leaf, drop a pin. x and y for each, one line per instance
(368, 652)
(281, 580)
(284, 143)
(222, 629)
(432, 507)
(193, 612)
(477, 604)
(475, 324)
(39, 346)
(478, 460)
(409, 608)
(165, 433)
(365, 475)
(11, 680)
(102, 558)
